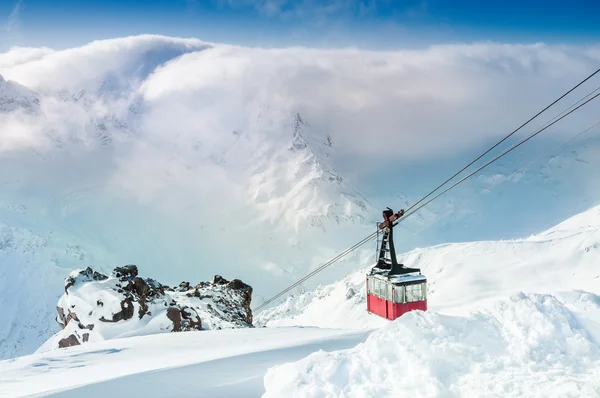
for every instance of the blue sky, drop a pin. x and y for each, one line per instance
(376, 24)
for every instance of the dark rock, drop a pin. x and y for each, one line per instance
(138, 286)
(191, 319)
(219, 280)
(87, 275)
(86, 337)
(174, 315)
(70, 341)
(237, 284)
(126, 272)
(183, 287)
(125, 313)
(65, 318)
(184, 319)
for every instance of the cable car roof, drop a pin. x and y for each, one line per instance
(400, 279)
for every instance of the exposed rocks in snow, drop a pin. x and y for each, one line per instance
(98, 307)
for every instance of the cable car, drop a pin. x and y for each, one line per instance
(392, 288)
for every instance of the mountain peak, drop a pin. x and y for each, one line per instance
(298, 140)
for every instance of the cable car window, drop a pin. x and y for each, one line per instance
(376, 287)
(370, 285)
(389, 292)
(414, 293)
(399, 294)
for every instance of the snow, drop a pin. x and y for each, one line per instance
(222, 363)
(463, 275)
(526, 345)
(506, 318)
(14, 96)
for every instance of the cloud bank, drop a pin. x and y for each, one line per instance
(419, 102)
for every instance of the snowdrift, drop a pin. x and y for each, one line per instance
(214, 363)
(462, 276)
(96, 307)
(527, 345)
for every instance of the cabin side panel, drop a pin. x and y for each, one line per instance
(377, 305)
(403, 308)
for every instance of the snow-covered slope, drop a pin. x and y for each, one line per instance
(14, 96)
(223, 363)
(29, 288)
(97, 307)
(461, 276)
(505, 319)
(508, 318)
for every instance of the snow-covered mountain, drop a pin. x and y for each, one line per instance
(506, 318)
(463, 276)
(14, 96)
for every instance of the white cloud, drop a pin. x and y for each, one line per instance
(20, 55)
(122, 61)
(406, 103)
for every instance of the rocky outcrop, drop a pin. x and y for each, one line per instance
(98, 307)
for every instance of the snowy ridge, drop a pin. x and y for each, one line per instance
(296, 180)
(527, 345)
(462, 275)
(96, 307)
(14, 96)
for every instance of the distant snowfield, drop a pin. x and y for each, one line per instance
(225, 363)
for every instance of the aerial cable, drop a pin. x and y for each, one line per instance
(409, 212)
(572, 105)
(501, 180)
(501, 155)
(503, 139)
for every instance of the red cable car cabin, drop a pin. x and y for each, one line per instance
(392, 288)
